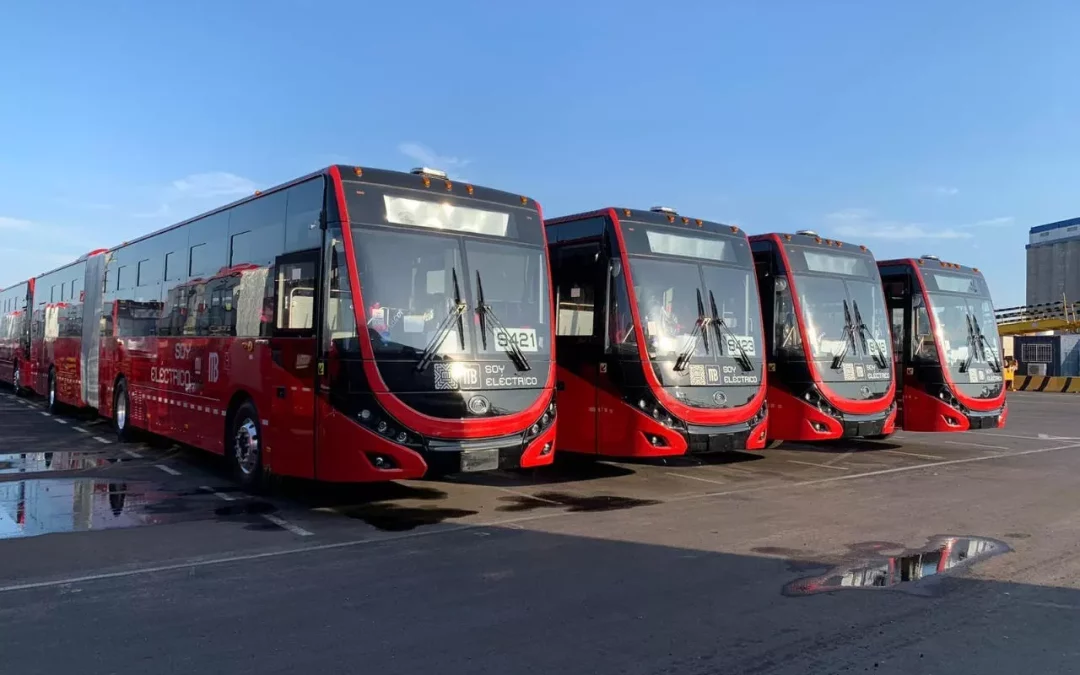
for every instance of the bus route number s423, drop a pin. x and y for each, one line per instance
(524, 338)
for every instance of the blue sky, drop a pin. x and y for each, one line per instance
(913, 127)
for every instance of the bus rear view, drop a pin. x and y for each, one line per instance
(659, 335)
(830, 370)
(948, 352)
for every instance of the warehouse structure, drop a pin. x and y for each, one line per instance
(1053, 262)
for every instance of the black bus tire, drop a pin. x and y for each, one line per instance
(244, 447)
(121, 416)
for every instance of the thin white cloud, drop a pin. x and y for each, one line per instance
(14, 223)
(213, 184)
(865, 224)
(946, 191)
(199, 190)
(49, 247)
(994, 222)
(425, 156)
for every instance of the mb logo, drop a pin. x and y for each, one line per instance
(212, 367)
(455, 376)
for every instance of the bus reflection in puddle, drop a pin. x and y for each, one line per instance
(40, 462)
(34, 507)
(944, 554)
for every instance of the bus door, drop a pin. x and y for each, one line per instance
(579, 343)
(293, 357)
(897, 294)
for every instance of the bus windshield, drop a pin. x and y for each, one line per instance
(421, 288)
(966, 337)
(846, 325)
(687, 307)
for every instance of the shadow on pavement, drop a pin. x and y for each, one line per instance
(552, 603)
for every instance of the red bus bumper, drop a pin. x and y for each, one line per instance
(351, 453)
(923, 412)
(793, 419)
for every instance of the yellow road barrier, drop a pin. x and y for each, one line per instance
(1056, 385)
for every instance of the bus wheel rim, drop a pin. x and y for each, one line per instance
(246, 446)
(121, 412)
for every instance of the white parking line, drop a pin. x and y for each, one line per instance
(912, 454)
(133, 454)
(219, 495)
(59, 421)
(703, 480)
(46, 414)
(823, 466)
(284, 524)
(977, 445)
(991, 434)
(526, 495)
(168, 469)
(838, 458)
(105, 441)
(81, 430)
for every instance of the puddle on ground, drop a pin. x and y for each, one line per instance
(30, 508)
(574, 503)
(394, 518)
(941, 556)
(42, 462)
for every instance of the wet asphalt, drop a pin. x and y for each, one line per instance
(144, 557)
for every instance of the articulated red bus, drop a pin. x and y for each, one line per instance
(64, 344)
(948, 353)
(236, 331)
(15, 333)
(659, 334)
(827, 337)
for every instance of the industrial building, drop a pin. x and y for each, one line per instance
(1053, 262)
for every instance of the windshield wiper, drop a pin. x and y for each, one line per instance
(848, 335)
(444, 328)
(864, 334)
(742, 358)
(983, 344)
(698, 332)
(972, 344)
(484, 311)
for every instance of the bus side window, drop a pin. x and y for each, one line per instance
(621, 334)
(898, 330)
(922, 336)
(294, 292)
(787, 338)
(577, 290)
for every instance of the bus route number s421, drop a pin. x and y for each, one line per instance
(524, 338)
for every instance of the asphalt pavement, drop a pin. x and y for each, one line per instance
(145, 557)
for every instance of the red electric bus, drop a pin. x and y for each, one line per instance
(948, 352)
(64, 344)
(236, 331)
(659, 335)
(15, 333)
(827, 339)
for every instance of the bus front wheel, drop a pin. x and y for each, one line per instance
(245, 446)
(122, 412)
